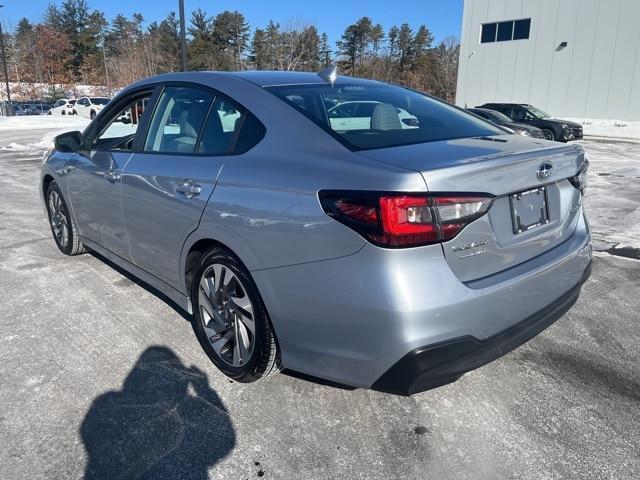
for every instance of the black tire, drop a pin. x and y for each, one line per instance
(72, 245)
(264, 357)
(63, 112)
(92, 115)
(548, 134)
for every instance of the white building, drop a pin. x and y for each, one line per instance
(571, 58)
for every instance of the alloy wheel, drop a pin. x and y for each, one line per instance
(227, 315)
(58, 219)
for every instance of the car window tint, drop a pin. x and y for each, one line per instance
(178, 120)
(364, 116)
(220, 129)
(122, 127)
(251, 132)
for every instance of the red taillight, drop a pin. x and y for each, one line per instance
(361, 213)
(404, 220)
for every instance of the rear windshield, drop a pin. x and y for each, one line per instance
(99, 100)
(379, 116)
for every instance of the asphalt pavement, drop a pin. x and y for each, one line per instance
(101, 378)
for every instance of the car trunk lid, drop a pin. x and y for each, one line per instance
(529, 215)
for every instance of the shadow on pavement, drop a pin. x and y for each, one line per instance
(166, 422)
(146, 286)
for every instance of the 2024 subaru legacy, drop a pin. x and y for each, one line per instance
(364, 253)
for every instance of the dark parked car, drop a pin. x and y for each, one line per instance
(552, 128)
(502, 120)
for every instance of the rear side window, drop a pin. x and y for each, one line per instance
(230, 129)
(178, 120)
(251, 132)
(365, 116)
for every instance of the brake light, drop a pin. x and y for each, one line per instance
(404, 219)
(580, 180)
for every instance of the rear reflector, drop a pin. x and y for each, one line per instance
(404, 220)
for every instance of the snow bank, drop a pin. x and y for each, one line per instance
(35, 122)
(609, 128)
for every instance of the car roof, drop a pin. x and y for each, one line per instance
(268, 78)
(505, 103)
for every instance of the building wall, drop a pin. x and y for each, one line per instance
(596, 76)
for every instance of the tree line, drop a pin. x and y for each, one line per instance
(75, 44)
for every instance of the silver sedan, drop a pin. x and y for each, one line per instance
(359, 251)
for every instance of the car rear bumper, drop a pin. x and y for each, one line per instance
(358, 320)
(436, 365)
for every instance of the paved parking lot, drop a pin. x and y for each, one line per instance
(99, 375)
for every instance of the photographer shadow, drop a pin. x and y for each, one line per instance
(166, 422)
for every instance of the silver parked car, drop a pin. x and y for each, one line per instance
(375, 256)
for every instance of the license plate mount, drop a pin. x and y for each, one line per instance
(529, 209)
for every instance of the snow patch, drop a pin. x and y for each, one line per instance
(59, 123)
(609, 128)
(34, 122)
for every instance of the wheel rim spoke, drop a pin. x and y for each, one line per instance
(227, 314)
(218, 342)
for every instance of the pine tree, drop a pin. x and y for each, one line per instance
(200, 48)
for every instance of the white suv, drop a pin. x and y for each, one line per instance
(64, 106)
(90, 106)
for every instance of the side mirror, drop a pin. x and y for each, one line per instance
(69, 142)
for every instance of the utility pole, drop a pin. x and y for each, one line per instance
(6, 73)
(183, 38)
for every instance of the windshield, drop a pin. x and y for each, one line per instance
(379, 116)
(536, 112)
(496, 116)
(99, 100)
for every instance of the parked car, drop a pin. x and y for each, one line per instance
(36, 108)
(20, 110)
(552, 128)
(388, 258)
(501, 119)
(90, 106)
(64, 106)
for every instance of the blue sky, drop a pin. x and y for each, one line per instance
(443, 17)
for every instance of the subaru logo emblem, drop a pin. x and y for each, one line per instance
(544, 171)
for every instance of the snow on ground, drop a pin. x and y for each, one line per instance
(35, 122)
(36, 132)
(609, 128)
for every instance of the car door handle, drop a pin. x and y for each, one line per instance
(112, 175)
(188, 188)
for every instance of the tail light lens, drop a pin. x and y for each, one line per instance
(580, 180)
(404, 220)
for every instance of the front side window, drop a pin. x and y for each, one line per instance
(121, 128)
(378, 116)
(178, 120)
